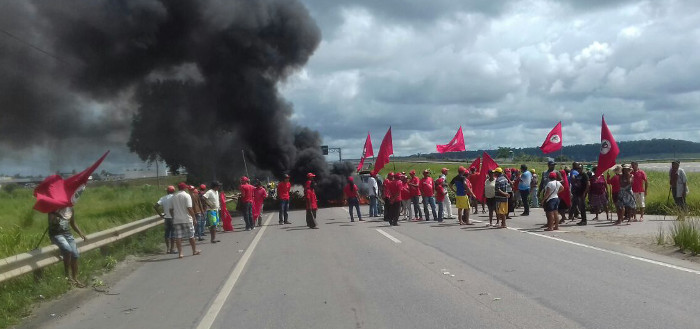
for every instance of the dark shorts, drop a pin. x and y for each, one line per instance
(491, 203)
(168, 226)
(552, 205)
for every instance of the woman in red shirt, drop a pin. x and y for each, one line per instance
(440, 198)
(353, 197)
(311, 202)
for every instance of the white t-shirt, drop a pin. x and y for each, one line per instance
(212, 198)
(179, 204)
(165, 203)
(490, 189)
(372, 186)
(551, 189)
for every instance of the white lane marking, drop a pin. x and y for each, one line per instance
(388, 236)
(646, 260)
(211, 314)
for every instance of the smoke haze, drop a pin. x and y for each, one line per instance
(191, 82)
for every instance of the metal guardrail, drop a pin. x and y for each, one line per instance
(28, 262)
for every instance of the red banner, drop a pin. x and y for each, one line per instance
(455, 145)
(553, 142)
(486, 165)
(608, 150)
(55, 193)
(367, 152)
(385, 150)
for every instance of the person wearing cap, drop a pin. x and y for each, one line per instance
(580, 186)
(460, 186)
(259, 195)
(414, 188)
(440, 194)
(198, 213)
(427, 192)
(352, 196)
(212, 204)
(501, 196)
(625, 199)
(183, 216)
(639, 188)
(386, 194)
(679, 185)
(550, 202)
(311, 201)
(447, 203)
(373, 193)
(283, 189)
(524, 189)
(246, 199)
(164, 204)
(545, 178)
(395, 199)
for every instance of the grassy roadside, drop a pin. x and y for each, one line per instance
(100, 208)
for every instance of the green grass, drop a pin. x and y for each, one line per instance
(100, 207)
(657, 203)
(686, 235)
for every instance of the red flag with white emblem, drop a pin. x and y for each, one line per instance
(455, 145)
(553, 142)
(367, 152)
(608, 150)
(55, 193)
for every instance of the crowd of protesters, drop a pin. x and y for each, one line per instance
(565, 194)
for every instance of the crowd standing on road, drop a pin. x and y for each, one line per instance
(565, 194)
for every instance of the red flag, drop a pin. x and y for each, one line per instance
(486, 165)
(367, 152)
(608, 150)
(385, 150)
(553, 142)
(55, 193)
(455, 145)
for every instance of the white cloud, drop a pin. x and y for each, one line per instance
(518, 69)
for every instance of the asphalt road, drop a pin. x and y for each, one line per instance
(417, 275)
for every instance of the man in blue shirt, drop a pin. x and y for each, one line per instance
(524, 188)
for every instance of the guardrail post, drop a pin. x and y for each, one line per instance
(38, 274)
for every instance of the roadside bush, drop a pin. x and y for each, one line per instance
(686, 235)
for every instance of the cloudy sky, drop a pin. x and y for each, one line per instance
(507, 71)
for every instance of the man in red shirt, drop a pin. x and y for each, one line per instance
(352, 195)
(283, 189)
(395, 200)
(639, 189)
(246, 199)
(387, 195)
(440, 195)
(414, 189)
(427, 191)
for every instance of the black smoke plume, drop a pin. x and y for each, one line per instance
(191, 82)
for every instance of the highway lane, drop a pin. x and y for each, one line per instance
(350, 275)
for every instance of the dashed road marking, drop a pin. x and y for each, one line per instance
(388, 236)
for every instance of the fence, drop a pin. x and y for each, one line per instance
(16, 265)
